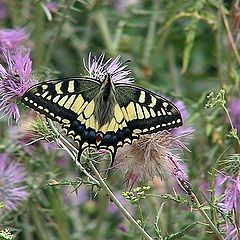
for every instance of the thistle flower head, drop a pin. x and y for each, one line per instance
(234, 112)
(231, 165)
(12, 191)
(231, 200)
(14, 81)
(98, 68)
(39, 128)
(12, 39)
(3, 10)
(150, 156)
(52, 6)
(231, 232)
(186, 129)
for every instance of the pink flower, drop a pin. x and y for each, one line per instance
(52, 6)
(231, 232)
(231, 201)
(234, 111)
(97, 68)
(3, 10)
(14, 81)
(12, 190)
(12, 39)
(186, 129)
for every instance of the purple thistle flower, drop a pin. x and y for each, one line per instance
(51, 6)
(97, 68)
(231, 232)
(122, 227)
(14, 81)
(186, 129)
(3, 10)
(12, 192)
(76, 198)
(231, 201)
(112, 208)
(12, 39)
(234, 111)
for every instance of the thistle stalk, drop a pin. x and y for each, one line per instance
(121, 208)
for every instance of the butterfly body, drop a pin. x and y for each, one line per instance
(102, 114)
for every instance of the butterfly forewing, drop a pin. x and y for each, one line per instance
(145, 111)
(70, 102)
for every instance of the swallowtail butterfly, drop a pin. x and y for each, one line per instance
(102, 114)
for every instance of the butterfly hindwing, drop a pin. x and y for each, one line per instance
(145, 111)
(70, 102)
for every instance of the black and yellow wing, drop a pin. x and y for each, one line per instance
(137, 111)
(69, 102)
(78, 104)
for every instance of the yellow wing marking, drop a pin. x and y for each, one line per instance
(90, 122)
(125, 114)
(69, 102)
(44, 87)
(71, 86)
(62, 101)
(58, 88)
(112, 125)
(131, 111)
(118, 113)
(153, 114)
(142, 97)
(139, 111)
(56, 98)
(82, 107)
(104, 128)
(45, 94)
(88, 111)
(154, 101)
(77, 104)
(146, 113)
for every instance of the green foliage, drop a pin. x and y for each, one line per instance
(5, 235)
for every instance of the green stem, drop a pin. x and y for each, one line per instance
(11, 7)
(68, 4)
(172, 70)
(40, 231)
(230, 37)
(38, 35)
(72, 155)
(140, 213)
(117, 203)
(118, 35)
(149, 43)
(104, 29)
(206, 217)
(59, 216)
(219, 48)
(98, 233)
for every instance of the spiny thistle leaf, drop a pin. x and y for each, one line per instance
(231, 164)
(178, 235)
(40, 129)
